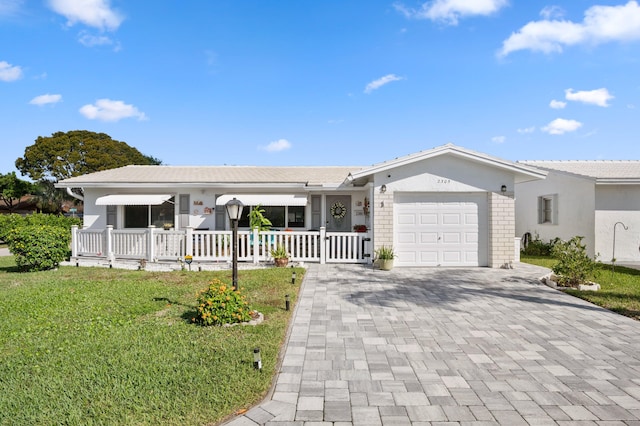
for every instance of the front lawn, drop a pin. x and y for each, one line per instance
(106, 346)
(620, 290)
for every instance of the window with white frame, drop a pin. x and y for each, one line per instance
(548, 209)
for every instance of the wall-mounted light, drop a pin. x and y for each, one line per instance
(503, 188)
(383, 189)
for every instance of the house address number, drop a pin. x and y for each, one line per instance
(444, 180)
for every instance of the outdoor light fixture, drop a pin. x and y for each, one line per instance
(257, 359)
(503, 188)
(287, 302)
(383, 189)
(234, 211)
(293, 275)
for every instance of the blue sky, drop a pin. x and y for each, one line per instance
(324, 82)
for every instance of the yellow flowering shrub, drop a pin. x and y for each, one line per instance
(220, 304)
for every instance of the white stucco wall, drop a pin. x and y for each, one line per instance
(618, 203)
(575, 208)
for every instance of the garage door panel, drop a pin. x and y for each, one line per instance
(428, 237)
(451, 238)
(407, 219)
(447, 230)
(406, 238)
(451, 219)
(428, 219)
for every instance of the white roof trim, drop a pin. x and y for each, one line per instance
(450, 149)
(265, 199)
(132, 199)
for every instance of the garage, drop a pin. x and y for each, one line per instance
(441, 229)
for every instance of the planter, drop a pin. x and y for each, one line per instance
(386, 264)
(281, 261)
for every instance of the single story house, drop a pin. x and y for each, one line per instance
(447, 206)
(598, 200)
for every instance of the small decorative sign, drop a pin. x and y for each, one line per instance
(197, 202)
(208, 210)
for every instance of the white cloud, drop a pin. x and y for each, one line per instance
(10, 7)
(552, 12)
(46, 99)
(376, 84)
(601, 24)
(598, 97)
(561, 126)
(557, 104)
(527, 130)
(93, 13)
(91, 40)
(279, 145)
(9, 72)
(450, 11)
(499, 139)
(108, 110)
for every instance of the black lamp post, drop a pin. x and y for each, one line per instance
(234, 211)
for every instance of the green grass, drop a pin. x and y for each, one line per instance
(619, 292)
(105, 346)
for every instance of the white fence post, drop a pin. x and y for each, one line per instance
(151, 246)
(516, 255)
(108, 249)
(74, 240)
(323, 245)
(255, 243)
(188, 241)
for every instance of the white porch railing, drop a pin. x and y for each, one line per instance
(154, 244)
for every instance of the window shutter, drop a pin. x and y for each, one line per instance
(185, 200)
(221, 215)
(112, 216)
(540, 210)
(554, 206)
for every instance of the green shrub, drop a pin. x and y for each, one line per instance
(574, 266)
(11, 221)
(220, 304)
(537, 247)
(38, 247)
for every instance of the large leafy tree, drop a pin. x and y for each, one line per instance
(77, 152)
(12, 190)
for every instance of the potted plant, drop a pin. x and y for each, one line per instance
(360, 228)
(385, 256)
(257, 219)
(280, 255)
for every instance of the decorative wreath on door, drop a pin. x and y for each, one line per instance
(338, 210)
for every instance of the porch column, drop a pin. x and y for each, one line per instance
(188, 241)
(323, 245)
(74, 241)
(151, 246)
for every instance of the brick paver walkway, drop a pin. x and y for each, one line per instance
(451, 347)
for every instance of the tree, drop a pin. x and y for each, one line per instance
(77, 152)
(13, 189)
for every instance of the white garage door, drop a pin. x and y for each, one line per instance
(441, 229)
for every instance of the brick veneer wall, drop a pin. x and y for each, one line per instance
(502, 228)
(383, 219)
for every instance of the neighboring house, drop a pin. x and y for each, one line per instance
(447, 206)
(585, 198)
(25, 205)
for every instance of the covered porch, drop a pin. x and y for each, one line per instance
(154, 248)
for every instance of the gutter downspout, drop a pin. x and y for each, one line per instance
(74, 195)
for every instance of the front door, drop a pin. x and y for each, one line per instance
(338, 213)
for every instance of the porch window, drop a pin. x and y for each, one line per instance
(280, 216)
(161, 215)
(548, 209)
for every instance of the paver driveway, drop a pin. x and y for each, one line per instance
(451, 346)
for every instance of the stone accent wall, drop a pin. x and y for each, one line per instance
(382, 208)
(502, 229)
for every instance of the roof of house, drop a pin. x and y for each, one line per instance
(525, 172)
(603, 171)
(198, 175)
